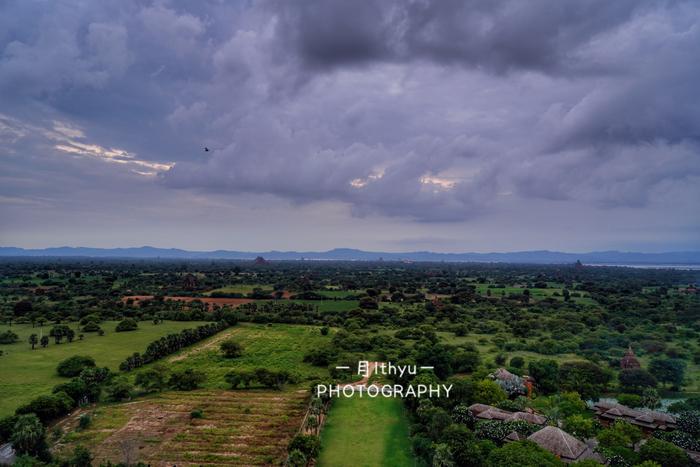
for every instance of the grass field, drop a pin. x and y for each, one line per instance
(366, 432)
(276, 347)
(27, 373)
(238, 428)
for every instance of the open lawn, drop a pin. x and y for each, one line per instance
(27, 373)
(237, 428)
(275, 347)
(366, 432)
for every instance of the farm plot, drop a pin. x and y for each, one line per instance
(237, 428)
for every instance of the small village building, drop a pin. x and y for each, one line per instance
(649, 421)
(563, 445)
(629, 361)
(488, 412)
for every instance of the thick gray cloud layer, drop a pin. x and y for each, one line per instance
(420, 111)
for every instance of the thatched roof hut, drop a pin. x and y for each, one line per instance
(562, 444)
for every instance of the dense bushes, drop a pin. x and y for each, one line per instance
(8, 337)
(127, 324)
(263, 376)
(170, 344)
(231, 349)
(74, 365)
(48, 408)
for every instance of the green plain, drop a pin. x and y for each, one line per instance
(366, 432)
(26, 373)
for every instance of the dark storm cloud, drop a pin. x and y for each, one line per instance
(431, 111)
(498, 35)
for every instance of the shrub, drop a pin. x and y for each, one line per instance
(84, 421)
(81, 457)
(197, 413)
(74, 365)
(8, 337)
(91, 326)
(231, 348)
(127, 324)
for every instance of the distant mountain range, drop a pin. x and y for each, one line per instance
(348, 254)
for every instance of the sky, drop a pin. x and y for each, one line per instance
(392, 125)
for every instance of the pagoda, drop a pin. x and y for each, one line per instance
(629, 361)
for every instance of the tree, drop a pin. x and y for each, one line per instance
(297, 458)
(33, 340)
(231, 348)
(308, 445)
(465, 448)
(517, 362)
(44, 341)
(546, 375)
(584, 377)
(127, 324)
(29, 436)
(650, 398)
(153, 379)
(489, 392)
(635, 380)
(630, 400)
(48, 408)
(689, 422)
(119, 390)
(522, 454)
(81, 457)
(70, 335)
(74, 365)
(664, 453)
(58, 332)
(442, 456)
(186, 380)
(580, 426)
(668, 370)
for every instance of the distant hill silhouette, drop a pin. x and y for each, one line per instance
(348, 254)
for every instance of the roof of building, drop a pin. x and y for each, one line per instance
(488, 412)
(648, 419)
(559, 442)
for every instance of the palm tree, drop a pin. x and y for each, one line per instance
(28, 435)
(33, 340)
